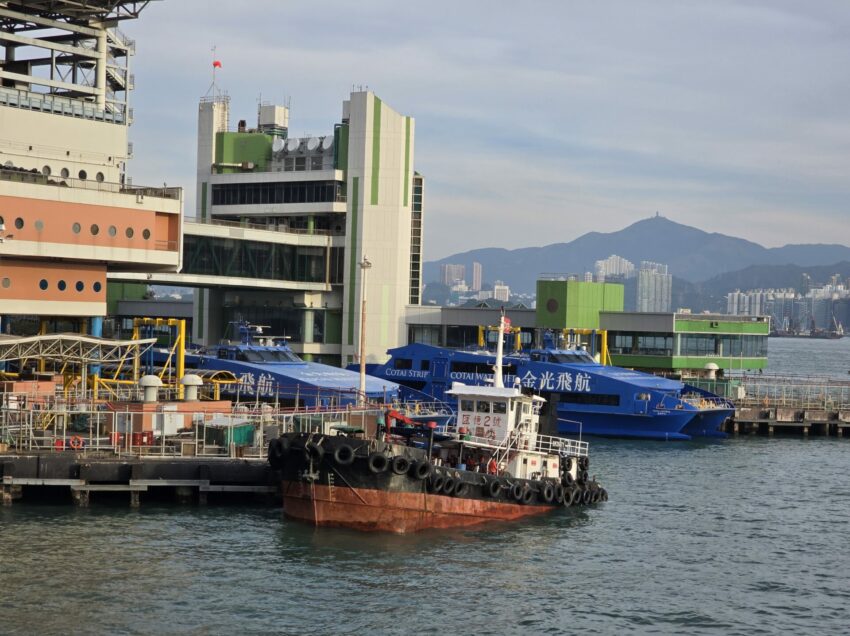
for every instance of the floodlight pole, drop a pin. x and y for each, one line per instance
(364, 269)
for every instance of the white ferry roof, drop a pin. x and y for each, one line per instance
(489, 392)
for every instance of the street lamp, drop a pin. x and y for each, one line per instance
(364, 269)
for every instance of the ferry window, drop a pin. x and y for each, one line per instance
(467, 405)
(500, 407)
(526, 409)
(591, 398)
(268, 356)
(248, 356)
(482, 407)
(402, 363)
(425, 365)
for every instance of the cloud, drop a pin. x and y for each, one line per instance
(538, 122)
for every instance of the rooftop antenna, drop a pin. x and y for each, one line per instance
(216, 64)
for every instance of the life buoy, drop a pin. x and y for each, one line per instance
(547, 493)
(494, 488)
(378, 462)
(421, 470)
(76, 442)
(400, 465)
(344, 455)
(460, 488)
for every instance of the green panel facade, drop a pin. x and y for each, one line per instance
(696, 325)
(123, 291)
(253, 148)
(575, 304)
(341, 147)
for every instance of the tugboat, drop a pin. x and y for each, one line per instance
(492, 464)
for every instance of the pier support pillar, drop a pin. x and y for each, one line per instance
(183, 494)
(839, 432)
(6, 497)
(135, 499)
(736, 428)
(81, 498)
(202, 498)
(805, 431)
(770, 431)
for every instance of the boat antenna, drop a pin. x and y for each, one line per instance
(497, 369)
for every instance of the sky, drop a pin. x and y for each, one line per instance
(537, 122)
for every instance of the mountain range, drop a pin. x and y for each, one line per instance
(690, 254)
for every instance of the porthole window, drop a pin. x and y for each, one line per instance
(97, 287)
(42, 284)
(6, 283)
(2, 222)
(76, 228)
(129, 232)
(80, 287)
(45, 170)
(113, 230)
(39, 225)
(100, 177)
(19, 223)
(146, 234)
(65, 173)
(95, 230)
(83, 175)
(62, 285)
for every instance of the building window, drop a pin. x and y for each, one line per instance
(42, 284)
(80, 286)
(146, 234)
(7, 283)
(19, 223)
(45, 170)
(100, 177)
(39, 225)
(83, 175)
(276, 193)
(65, 173)
(129, 233)
(61, 285)
(97, 287)
(76, 228)
(95, 230)
(113, 230)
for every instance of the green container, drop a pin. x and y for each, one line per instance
(236, 434)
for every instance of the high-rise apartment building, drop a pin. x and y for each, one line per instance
(451, 273)
(654, 288)
(614, 266)
(476, 277)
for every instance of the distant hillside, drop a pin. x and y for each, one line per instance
(690, 253)
(771, 277)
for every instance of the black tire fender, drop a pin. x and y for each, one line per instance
(344, 455)
(547, 492)
(400, 464)
(421, 469)
(494, 488)
(378, 462)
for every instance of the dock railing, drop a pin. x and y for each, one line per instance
(56, 425)
(524, 441)
(772, 391)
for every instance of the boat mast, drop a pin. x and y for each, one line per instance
(497, 369)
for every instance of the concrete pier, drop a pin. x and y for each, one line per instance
(788, 420)
(84, 479)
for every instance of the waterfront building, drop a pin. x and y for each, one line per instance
(303, 214)
(69, 215)
(654, 288)
(571, 304)
(685, 343)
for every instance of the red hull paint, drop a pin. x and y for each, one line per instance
(379, 510)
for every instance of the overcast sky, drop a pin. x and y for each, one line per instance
(537, 122)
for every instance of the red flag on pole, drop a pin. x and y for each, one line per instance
(216, 64)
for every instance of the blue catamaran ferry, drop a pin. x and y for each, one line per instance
(582, 396)
(268, 370)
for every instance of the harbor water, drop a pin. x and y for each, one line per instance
(740, 536)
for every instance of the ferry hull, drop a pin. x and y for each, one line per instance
(400, 512)
(708, 423)
(668, 426)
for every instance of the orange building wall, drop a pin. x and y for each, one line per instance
(23, 280)
(82, 224)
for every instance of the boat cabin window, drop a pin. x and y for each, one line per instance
(222, 354)
(467, 405)
(500, 407)
(482, 407)
(402, 363)
(526, 409)
(249, 356)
